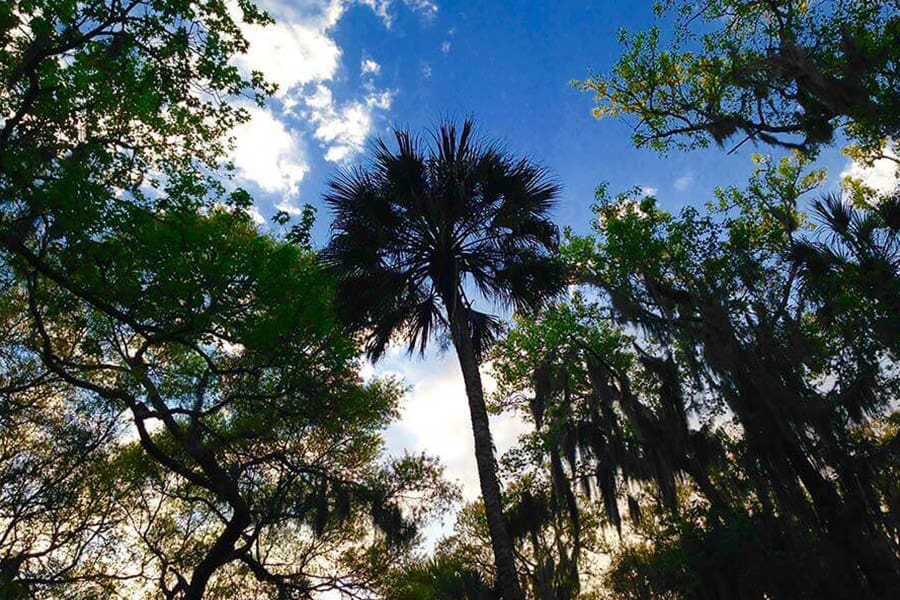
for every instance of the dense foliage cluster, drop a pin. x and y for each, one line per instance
(734, 421)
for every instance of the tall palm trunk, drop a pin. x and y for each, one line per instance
(507, 580)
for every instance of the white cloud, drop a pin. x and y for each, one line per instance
(445, 47)
(268, 154)
(435, 419)
(256, 215)
(366, 369)
(380, 8)
(426, 8)
(369, 67)
(320, 99)
(649, 191)
(381, 100)
(426, 70)
(289, 205)
(297, 48)
(298, 52)
(322, 14)
(343, 128)
(683, 182)
(881, 176)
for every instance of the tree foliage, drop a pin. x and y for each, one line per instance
(788, 73)
(185, 410)
(181, 410)
(429, 227)
(736, 404)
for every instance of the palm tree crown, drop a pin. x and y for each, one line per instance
(426, 225)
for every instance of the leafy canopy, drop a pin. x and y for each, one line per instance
(789, 73)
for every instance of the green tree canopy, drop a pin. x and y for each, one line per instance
(233, 434)
(719, 385)
(788, 73)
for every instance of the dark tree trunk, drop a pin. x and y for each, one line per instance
(221, 552)
(507, 580)
(215, 479)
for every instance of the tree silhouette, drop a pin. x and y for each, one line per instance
(424, 231)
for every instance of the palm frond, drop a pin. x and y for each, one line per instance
(425, 224)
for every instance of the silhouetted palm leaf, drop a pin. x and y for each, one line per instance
(425, 223)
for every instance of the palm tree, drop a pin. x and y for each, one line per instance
(425, 231)
(857, 251)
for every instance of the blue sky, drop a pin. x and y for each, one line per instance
(351, 69)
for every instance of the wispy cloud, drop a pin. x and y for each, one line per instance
(385, 9)
(426, 8)
(369, 67)
(684, 182)
(342, 129)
